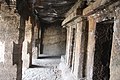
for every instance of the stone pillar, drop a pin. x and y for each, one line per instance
(32, 38)
(77, 47)
(83, 48)
(73, 47)
(68, 41)
(41, 38)
(26, 45)
(20, 44)
(9, 24)
(36, 42)
(115, 55)
(91, 47)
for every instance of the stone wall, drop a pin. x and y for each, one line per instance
(115, 56)
(107, 13)
(76, 48)
(26, 44)
(54, 40)
(97, 12)
(29, 49)
(9, 34)
(77, 64)
(16, 44)
(90, 49)
(35, 48)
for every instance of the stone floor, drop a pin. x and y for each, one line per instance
(43, 69)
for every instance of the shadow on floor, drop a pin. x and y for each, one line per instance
(36, 66)
(49, 57)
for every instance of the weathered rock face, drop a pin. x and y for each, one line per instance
(115, 56)
(112, 11)
(102, 62)
(29, 50)
(54, 41)
(9, 24)
(35, 50)
(26, 45)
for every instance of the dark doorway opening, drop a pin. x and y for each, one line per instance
(103, 44)
(72, 47)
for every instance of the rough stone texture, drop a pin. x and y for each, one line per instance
(66, 71)
(68, 41)
(54, 41)
(43, 69)
(115, 56)
(103, 44)
(54, 44)
(90, 57)
(34, 47)
(26, 44)
(79, 48)
(98, 11)
(91, 46)
(98, 17)
(96, 6)
(9, 24)
(114, 63)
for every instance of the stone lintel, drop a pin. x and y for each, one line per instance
(73, 13)
(96, 6)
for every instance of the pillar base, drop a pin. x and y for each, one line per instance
(66, 72)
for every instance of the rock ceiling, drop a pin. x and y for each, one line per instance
(46, 10)
(52, 10)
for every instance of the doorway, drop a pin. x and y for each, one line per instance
(103, 45)
(72, 49)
